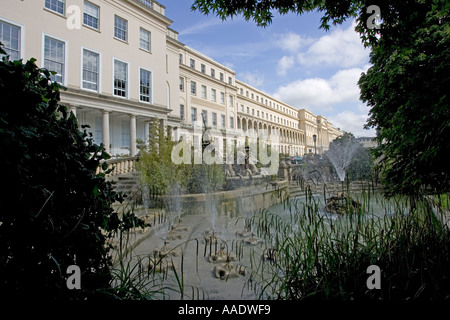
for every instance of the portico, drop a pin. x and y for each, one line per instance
(116, 123)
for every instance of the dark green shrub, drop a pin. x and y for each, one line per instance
(55, 211)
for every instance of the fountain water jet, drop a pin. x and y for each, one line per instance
(341, 154)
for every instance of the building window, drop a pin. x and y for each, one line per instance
(213, 73)
(222, 98)
(248, 110)
(192, 63)
(230, 80)
(91, 15)
(181, 84)
(205, 117)
(144, 39)
(54, 58)
(230, 100)
(221, 76)
(241, 91)
(203, 92)
(214, 120)
(182, 112)
(231, 122)
(257, 113)
(202, 68)
(213, 95)
(10, 37)
(222, 118)
(55, 5)
(126, 133)
(120, 28)
(193, 87)
(180, 58)
(193, 115)
(91, 70)
(120, 78)
(246, 93)
(145, 86)
(242, 108)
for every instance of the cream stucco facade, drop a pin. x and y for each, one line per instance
(124, 67)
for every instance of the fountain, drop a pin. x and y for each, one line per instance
(222, 256)
(341, 204)
(341, 154)
(227, 270)
(166, 250)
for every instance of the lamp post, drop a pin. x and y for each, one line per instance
(315, 139)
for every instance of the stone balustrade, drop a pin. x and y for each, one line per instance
(121, 166)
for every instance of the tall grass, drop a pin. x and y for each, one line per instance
(322, 258)
(132, 279)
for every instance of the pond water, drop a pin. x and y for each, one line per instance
(193, 246)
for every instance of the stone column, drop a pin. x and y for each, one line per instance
(106, 140)
(133, 149)
(73, 109)
(163, 127)
(147, 132)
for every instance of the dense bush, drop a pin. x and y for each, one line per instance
(55, 211)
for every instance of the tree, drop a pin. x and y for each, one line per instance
(161, 176)
(261, 11)
(406, 87)
(55, 211)
(407, 90)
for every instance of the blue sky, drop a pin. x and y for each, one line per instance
(291, 59)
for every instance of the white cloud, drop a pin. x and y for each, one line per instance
(284, 64)
(341, 48)
(321, 94)
(253, 78)
(291, 42)
(352, 122)
(200, 27)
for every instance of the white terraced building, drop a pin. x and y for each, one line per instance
(124, 68)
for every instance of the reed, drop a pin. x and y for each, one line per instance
(321, 258)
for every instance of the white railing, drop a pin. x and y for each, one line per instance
(120, 166)
(154, 5)
(147, 3)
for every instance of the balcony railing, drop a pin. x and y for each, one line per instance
(147, 3)
(154, 5)
(121, 166)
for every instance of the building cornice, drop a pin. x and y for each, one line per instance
(205, 76)
(208, 59)
(82, 98)
(155, 14)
